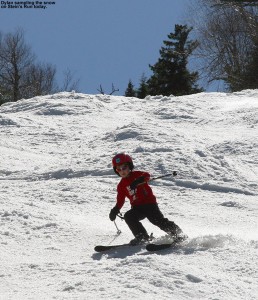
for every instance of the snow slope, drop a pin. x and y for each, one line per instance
(57, 187)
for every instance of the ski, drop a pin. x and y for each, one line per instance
(102, 248)
(149, 247)
(157, 247)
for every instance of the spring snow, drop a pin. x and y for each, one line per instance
(57, 187)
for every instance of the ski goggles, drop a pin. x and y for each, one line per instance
(122, 168)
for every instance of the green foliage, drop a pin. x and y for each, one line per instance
(170, 73)
(130, 91)
(142, 91)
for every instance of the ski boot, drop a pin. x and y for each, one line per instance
(140, 239)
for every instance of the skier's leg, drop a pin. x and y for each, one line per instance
(132, 219)
(156, 217)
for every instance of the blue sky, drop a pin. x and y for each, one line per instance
(101, 41)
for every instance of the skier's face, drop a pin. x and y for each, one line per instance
(123, 170)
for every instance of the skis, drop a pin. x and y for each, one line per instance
(158, 247)
(102, 248)
(149, 247)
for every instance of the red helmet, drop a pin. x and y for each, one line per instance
(122, 158)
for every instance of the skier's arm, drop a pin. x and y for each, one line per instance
(120, 199)
(144, 177)
(119, 204)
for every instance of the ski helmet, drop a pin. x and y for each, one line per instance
(120, 159)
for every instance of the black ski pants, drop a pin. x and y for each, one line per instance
(153, 214)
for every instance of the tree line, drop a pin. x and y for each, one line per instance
(22, 76)
(225, 49)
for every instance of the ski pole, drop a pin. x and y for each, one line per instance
(118, 230)
(174, 173)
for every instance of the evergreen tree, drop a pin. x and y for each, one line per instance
(142, 92)
(170, 73)
(130, 91)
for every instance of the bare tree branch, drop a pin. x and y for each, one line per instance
(227, 34)
(101, 90)
(69, 83)
(20, 76)
(113, 90)
(111, 93)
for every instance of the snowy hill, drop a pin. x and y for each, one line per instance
(57, 187)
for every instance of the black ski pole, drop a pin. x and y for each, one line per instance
(174, 173)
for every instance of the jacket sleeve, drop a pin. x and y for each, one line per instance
(120, 199)
(146, 176)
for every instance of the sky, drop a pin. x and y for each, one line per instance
(101, 42)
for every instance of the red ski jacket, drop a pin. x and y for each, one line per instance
(141, 195)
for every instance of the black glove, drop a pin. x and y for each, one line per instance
(137, 181)
(113, 213)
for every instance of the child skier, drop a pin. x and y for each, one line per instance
(134, 185)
